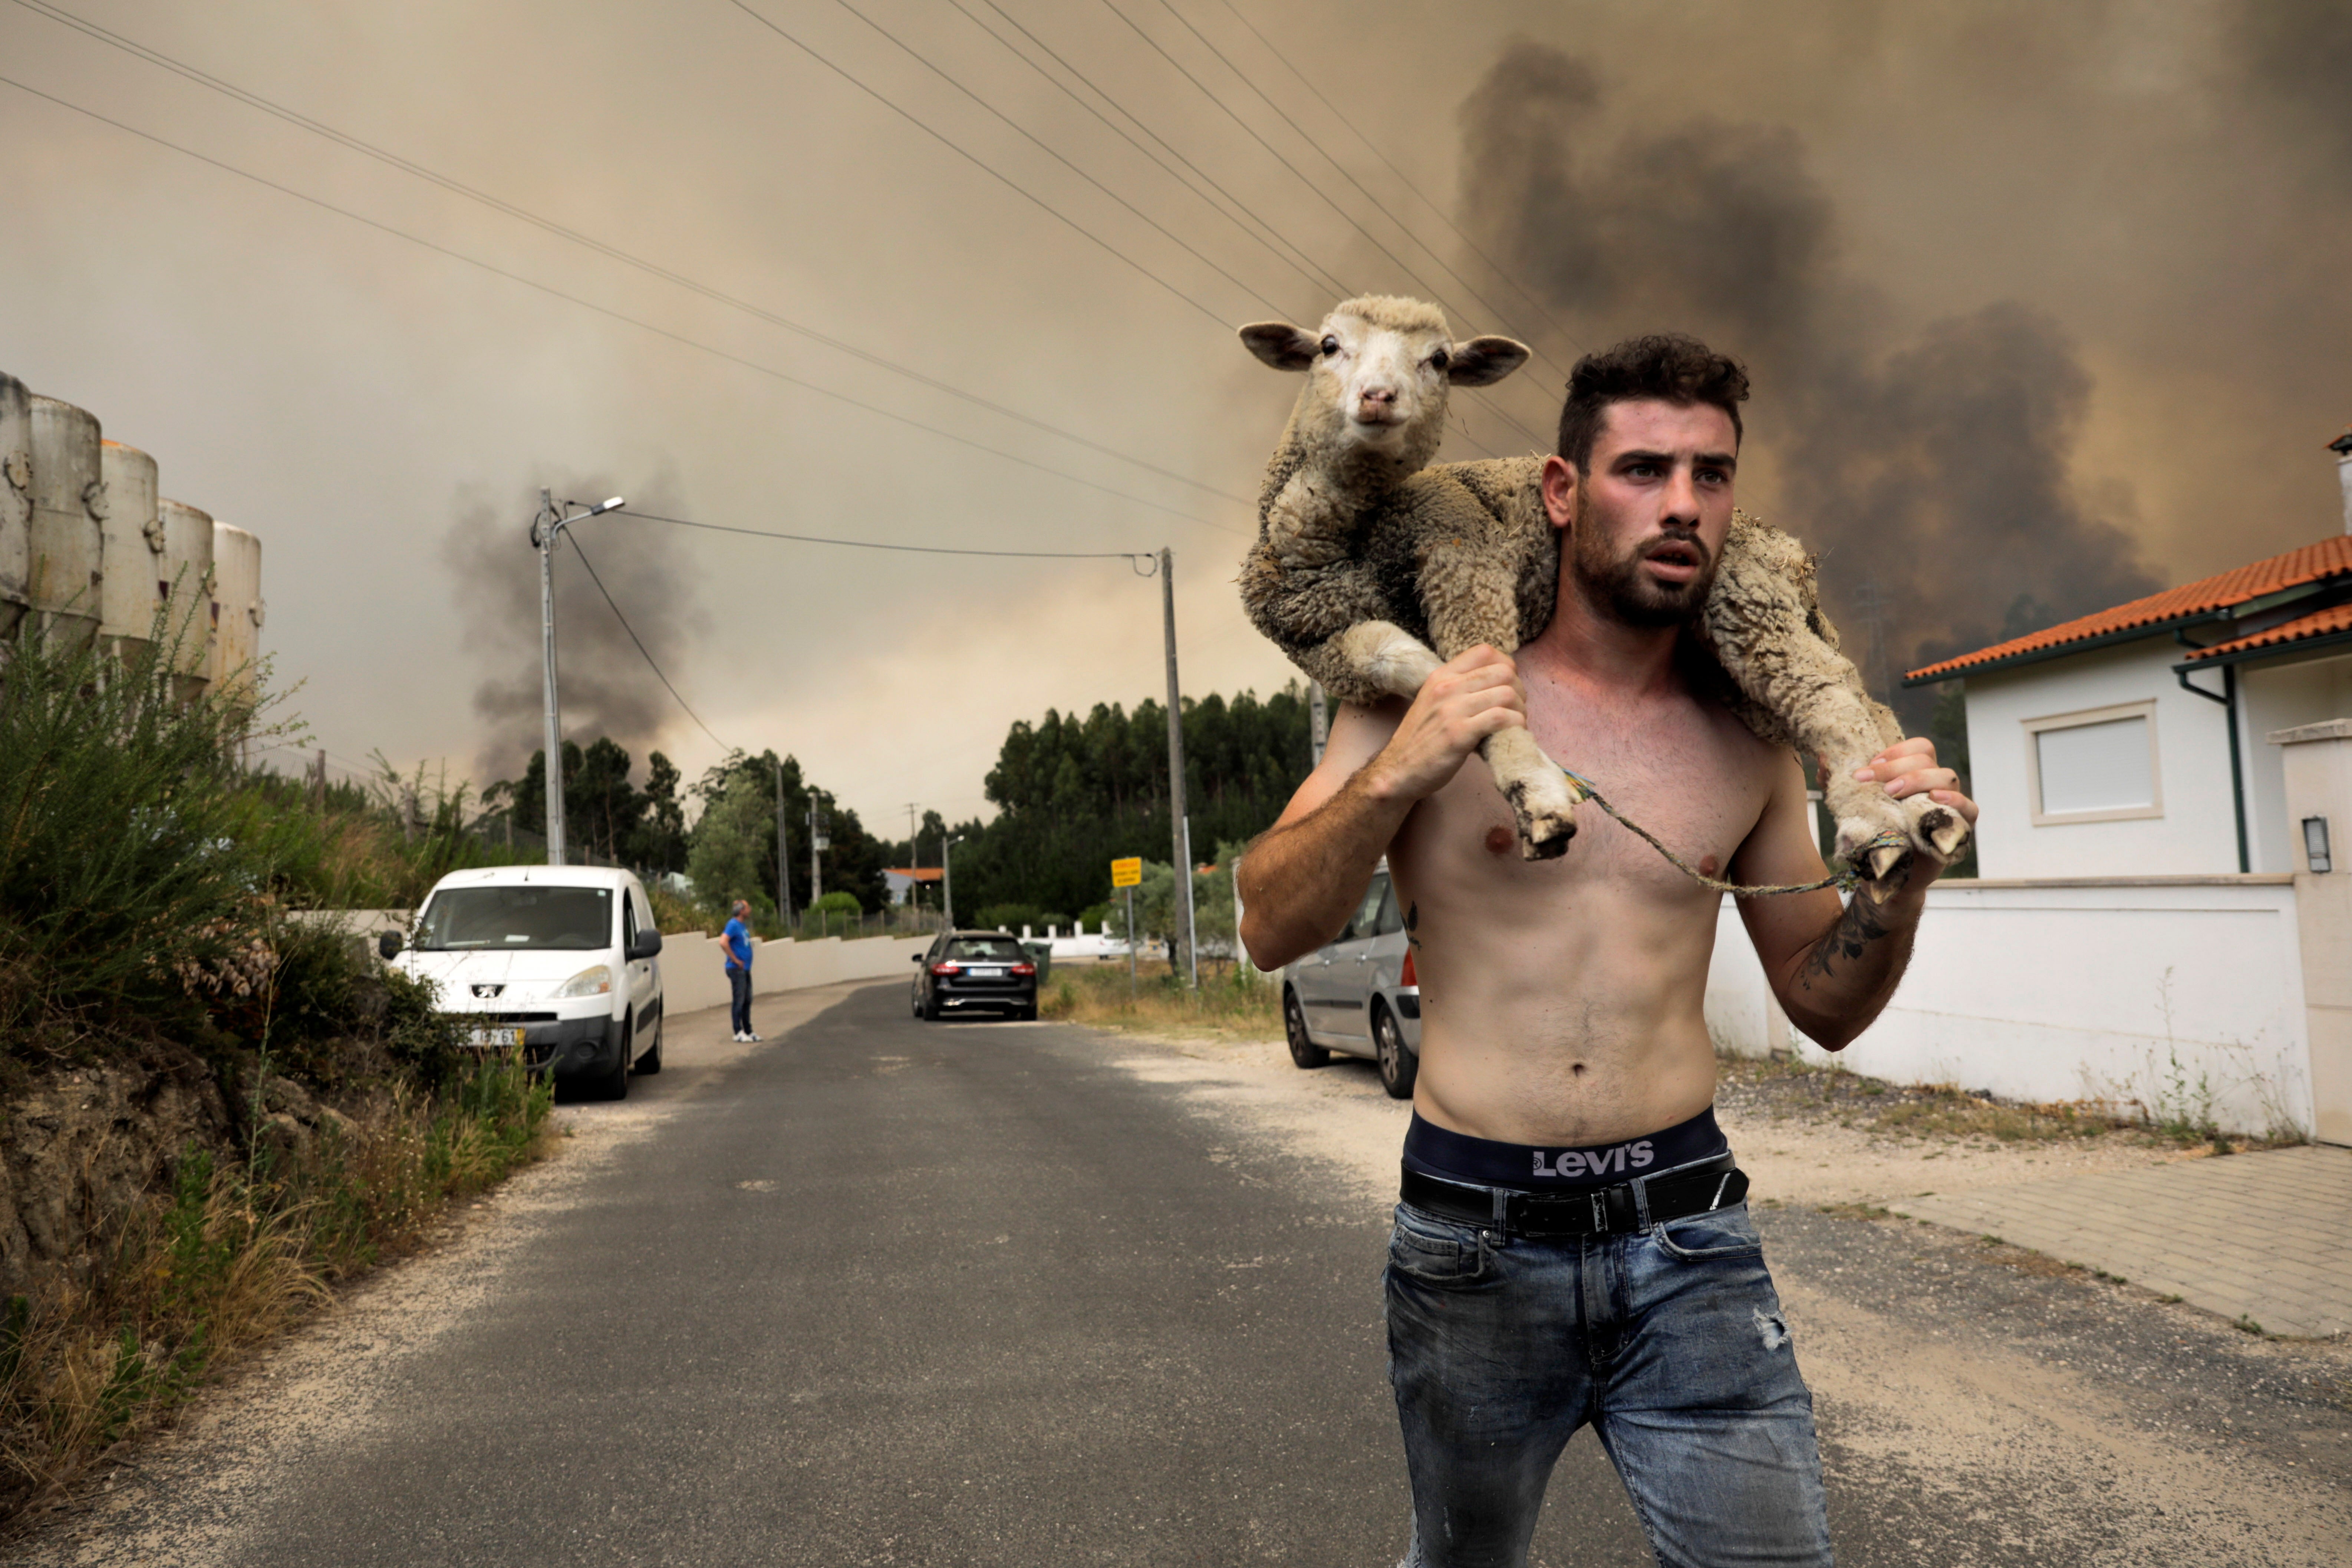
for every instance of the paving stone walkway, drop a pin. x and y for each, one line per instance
(2265, 1237)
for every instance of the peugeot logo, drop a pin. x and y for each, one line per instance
(487, 992)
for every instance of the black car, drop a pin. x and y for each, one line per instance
(971, 969)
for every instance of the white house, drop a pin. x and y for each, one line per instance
(2132, 742)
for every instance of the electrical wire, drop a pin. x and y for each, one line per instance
(1305, 266)
(976, 161)
(499, 204)
(1272, 151)
(1342, 170)
(578, 550)
(1041, 145)
(1403, 179)
(1130, 556)
(608, 312)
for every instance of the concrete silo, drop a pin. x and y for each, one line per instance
(15, 501)
(133, 538)
(184, 581)
(68, 500)
(237, 612)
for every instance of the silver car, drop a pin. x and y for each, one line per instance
(1358, 995)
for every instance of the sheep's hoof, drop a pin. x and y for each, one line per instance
(1943, 832)
(1545, 835)
(1885, 859)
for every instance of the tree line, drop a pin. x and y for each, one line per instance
(1072, 793)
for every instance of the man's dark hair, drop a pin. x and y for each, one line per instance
(1668, 366)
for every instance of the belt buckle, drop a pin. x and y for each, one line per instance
(1600, 1197)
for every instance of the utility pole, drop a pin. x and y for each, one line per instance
(1871, 603)
(947, 879)
(1179, 828)
(914, 860)
(818, 843)
(783, 876)
(542, 533)
(1319, 722)
(544, 528)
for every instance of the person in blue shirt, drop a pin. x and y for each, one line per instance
(735, 942)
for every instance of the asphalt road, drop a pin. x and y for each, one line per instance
(967, 1293)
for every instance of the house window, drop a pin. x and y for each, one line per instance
(2099, 765)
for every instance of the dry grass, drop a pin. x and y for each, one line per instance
(1225, 1007)
(231, 1257)
(1780, 1086)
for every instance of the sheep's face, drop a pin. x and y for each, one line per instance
(1379, 377)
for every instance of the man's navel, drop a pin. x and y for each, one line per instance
(1499, 840)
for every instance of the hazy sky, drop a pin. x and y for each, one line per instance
(2039, 300)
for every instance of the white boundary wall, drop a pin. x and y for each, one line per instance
(694, 972)
(2181, 994)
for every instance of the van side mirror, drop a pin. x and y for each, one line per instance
(388, 943)
(914, 958)
(646, 945)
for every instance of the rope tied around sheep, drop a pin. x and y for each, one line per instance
(1844, 880)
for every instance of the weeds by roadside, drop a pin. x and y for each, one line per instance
(235, 1252)
(1779, 1086)
(1227, 1006)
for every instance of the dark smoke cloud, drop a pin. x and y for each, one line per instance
(1931, 468)
(2294, 59)
(606, 687)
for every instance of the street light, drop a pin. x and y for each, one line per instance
(550, 522)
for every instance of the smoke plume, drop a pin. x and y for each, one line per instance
(607, 687)
(1930, 469)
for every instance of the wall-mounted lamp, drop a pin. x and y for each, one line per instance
(2315, 843)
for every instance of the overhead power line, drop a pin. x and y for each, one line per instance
(1341, 169)
(976, 161)
(561, 231)
(1403, 179)
(651, 663)
(607, 311)
(1130, 556)
(1272, 151)
(1039, 142)
(1272, 239)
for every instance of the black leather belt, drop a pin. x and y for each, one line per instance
(1616, 1210)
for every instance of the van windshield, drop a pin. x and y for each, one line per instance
(516, 917)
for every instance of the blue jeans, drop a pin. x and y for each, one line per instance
(738, 982)
(1669, 1340)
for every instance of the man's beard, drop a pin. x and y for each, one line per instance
(1618, 587)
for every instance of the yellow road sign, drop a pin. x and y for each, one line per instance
(1126, 873)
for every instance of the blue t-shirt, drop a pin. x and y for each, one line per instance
(738, 943)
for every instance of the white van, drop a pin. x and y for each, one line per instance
(561, 961)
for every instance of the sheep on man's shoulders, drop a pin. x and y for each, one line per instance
(1371, 568)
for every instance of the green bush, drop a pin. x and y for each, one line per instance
(146, 877)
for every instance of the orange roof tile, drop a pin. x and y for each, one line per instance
(2330, 557)
(2318, 624)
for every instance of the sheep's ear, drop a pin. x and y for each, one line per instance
(1284, 346)
(1482, 361)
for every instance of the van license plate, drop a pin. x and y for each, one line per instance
(498, 1039)
(979, 974)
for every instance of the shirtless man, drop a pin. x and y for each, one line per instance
(1573, 1245)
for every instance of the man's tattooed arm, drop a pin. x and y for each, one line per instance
(1844, 979)
(1862, 924)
